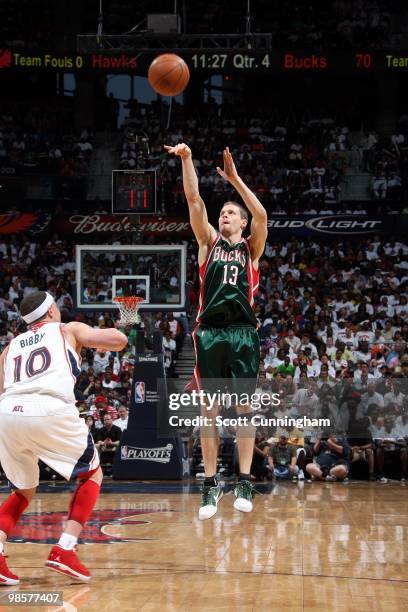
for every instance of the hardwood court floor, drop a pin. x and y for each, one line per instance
(324, 547)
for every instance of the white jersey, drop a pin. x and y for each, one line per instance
(41, 362)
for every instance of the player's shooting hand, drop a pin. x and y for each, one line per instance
(229, 173)
(182, 150)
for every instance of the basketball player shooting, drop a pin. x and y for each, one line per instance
(225, 338)
(39, 420)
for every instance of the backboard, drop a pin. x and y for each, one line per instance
(155, 272)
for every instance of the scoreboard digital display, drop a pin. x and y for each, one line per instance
(275, 61)
(133, 192)
(213, 61)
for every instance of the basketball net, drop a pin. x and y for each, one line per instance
(128, 308)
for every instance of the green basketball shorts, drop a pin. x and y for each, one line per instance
(230, 354)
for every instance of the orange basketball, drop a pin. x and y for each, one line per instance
(168, 74)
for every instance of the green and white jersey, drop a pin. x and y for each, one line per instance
(228, 283)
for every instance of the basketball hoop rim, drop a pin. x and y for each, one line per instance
(130, 300)
(128, 308)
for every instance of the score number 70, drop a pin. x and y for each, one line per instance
(363, 60)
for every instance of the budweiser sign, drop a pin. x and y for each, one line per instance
(85, 225)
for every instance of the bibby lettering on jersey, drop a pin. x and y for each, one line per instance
(41, 361)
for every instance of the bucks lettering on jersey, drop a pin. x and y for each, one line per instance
(228, 283)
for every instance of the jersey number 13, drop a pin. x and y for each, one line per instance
(230, 275)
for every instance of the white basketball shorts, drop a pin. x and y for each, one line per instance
(33, 429)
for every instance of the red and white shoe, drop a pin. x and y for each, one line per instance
(7, 578)
(66, 562)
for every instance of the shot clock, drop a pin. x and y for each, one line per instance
(133, 192)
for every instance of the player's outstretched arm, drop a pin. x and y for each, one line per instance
(84, 335)
(205, 234)
(259, 224)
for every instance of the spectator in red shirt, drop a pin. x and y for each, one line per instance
(102, 407)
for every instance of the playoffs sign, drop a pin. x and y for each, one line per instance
(161, 454)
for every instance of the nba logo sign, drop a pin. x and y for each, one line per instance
(140, 392)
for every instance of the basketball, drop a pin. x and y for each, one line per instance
(169, 74)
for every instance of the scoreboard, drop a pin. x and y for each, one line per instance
(134, 192)
(213, 61)
(278, 61)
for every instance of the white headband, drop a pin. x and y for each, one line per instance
(40, 310)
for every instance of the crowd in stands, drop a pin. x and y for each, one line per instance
(27, 25)
(332, 319)
(387, 161)
(298, 164)
(334, 329)
(368, 451)
(338, 23)
(317, 25)
(42, 139)
(293, 162)
(279, 166)
(311, 25)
